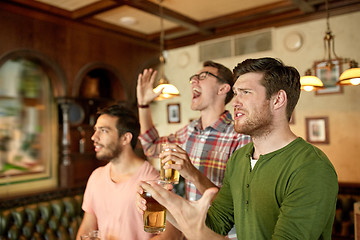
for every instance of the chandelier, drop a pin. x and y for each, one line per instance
(349, 77)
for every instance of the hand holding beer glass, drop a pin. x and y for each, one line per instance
(168, 174)
(155, 214)
(188, 216)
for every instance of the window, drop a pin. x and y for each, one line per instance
(27, 134)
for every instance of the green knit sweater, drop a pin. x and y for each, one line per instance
(290, 194)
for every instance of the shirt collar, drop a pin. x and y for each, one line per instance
(220, 125)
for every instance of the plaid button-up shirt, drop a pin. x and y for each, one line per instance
(208, 149)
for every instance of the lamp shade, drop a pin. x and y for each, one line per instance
(310, 83)
(168, 90)
(350, 77)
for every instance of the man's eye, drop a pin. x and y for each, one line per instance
(202, 76)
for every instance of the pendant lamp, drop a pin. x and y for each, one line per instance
(350, 76)
(168, 90)
(310, 83)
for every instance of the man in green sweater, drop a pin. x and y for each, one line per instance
(277, 187)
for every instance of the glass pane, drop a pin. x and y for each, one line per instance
(25, 110)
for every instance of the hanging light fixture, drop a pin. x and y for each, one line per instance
(309, 81)
(168, 90)
(350, 76)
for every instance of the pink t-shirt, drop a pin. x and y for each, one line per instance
(114, 204)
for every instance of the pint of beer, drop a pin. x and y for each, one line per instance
(93, 235)
(155, 214)
(169, 175)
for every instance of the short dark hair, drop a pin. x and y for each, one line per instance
(127, 121)
(277, 77)
(225, 74)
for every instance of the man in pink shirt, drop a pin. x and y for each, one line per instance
(109, 199)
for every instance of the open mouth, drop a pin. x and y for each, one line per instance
(237, 115)
(196, 93)
(97, 147)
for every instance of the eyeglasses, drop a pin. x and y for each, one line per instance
(203, 75)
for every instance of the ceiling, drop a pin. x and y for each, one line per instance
(185, 21)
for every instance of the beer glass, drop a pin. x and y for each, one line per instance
(84, 237)
(155, 214)
(93, 235)
(169, 175)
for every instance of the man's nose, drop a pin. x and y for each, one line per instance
(194, 80)
(94, 136)
(235, 101)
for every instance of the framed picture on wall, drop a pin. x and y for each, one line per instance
(173, 113)
(317, 130)
(329, 76)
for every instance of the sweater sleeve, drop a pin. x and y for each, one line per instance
(309, 204)
(220, 216)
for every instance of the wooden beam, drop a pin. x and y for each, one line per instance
(152, 8)
(303, 6)
(81, 25)
(93, 9)
(39, 6)
(254, 13)
(292, 17)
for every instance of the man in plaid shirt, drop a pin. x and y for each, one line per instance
(202, 147)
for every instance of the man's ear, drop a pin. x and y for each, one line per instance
(224, 89)
(279, 99)
(126, 138)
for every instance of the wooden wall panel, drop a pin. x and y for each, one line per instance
(72, 47)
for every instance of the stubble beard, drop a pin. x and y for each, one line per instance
(259, 125)
(112, 151)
